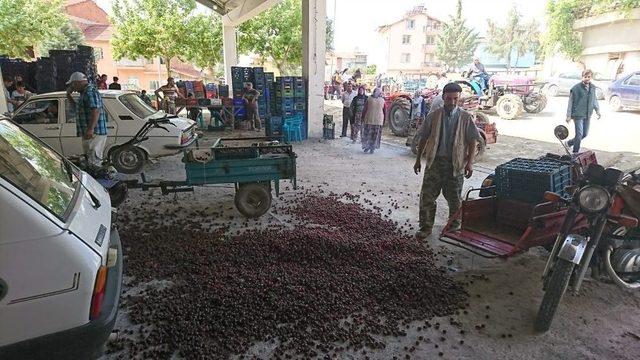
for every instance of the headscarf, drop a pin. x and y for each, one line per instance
(361, 87)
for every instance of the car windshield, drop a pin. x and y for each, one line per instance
(35, 169)
(136, 105)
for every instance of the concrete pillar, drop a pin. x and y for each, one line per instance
(230, 52)
(314, 23)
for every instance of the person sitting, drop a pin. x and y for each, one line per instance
(102, 82)
(49, 115)
(145, 97)
(477, 70)
(20, 94)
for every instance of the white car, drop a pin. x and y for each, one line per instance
(60, 257)
(126, 114)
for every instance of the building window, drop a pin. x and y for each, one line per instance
(411, 24)
(406, 39)
(405, 58)
(153, 85)
(97, 53)
(133, 83)
(430, 40)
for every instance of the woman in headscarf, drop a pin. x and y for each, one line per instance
(373, 121)
(357, 112)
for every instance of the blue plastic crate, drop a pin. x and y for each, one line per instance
(528, 179)
(273, 126)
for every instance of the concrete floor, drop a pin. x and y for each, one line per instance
(603, 322)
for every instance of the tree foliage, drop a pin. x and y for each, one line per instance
(561, 14)
(513, 37)
(68, 37)
(330, 35)
(167, 29)
(457, 42)
(26, 24)
(275, 34)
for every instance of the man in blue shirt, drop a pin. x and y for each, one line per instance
(91, 122)
(582, 102)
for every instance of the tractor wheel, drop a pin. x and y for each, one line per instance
(399, 116)
(253, 199)
(509, 106)
(535, 103)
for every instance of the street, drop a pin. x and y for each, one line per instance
(614, 132)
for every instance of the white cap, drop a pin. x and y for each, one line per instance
(77, 76)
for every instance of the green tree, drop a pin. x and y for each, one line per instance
(275, 34)
(513, 37)
(330, 35)
(205, 42)
(26, 24)
(68, 37)
(457, 42)
(371, 69)
(167, 29)
(561, 15)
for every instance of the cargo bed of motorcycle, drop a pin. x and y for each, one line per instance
(494, 227)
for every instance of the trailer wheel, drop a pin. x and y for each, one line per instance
(253, 199)
(509, 106)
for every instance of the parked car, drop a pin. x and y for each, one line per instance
(563, 82)
(625, 92)
(52, 118)
(60, 256)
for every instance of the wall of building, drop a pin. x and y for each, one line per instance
(611, 42)
(421, 55)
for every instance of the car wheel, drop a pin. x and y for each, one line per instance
(552, 90)
(615, 103)
(599, 94)
(128, 159)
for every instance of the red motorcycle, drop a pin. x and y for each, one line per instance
(609, 200)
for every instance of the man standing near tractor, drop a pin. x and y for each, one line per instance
(582, 101)
(448, 140)
(346, 98)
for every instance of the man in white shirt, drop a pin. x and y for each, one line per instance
(346, 97)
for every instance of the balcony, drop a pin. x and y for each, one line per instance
(128, 63)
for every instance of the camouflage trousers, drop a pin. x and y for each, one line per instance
(439, 178)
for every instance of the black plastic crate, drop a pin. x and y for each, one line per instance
(528, 179)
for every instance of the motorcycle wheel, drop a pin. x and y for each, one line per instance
(399, 116)
(556, 287)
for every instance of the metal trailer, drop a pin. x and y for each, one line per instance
(252, 169)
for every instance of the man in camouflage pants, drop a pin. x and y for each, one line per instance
(448, 140)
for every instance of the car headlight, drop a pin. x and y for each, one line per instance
(593, 198)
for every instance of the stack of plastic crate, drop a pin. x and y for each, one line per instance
(45, 75)
(270, 92)
(528, 179)
(259, 84)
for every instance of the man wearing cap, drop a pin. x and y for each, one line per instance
(448, 140)
(91, 122)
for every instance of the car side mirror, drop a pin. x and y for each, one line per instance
(561, 132)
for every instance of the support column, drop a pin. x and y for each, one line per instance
(314, 23)
(230, 52)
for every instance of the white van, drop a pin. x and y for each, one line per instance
(53, 119)
(60, 256)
